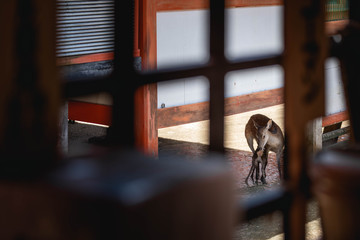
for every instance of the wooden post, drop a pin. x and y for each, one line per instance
(29, 92)
(146, 96)
(63, 129)
(216, 77)
(305, 52)
(314, 134)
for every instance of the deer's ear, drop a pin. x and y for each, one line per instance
(269, 124)
(272, 128)
(257, 126)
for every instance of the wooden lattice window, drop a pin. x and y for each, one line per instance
(32, 88)
(305, 41)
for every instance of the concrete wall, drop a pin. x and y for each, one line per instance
(182, 38)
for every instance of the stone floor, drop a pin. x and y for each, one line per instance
(190, 141)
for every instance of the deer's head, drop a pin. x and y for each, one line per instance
(263, 133)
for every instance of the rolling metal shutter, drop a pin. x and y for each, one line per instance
(84, 27)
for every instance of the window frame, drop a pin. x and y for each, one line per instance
(292, 196)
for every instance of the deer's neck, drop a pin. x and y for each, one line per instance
(275, 140)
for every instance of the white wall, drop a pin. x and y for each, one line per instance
(334, 92)
(182, 38)
(253, 31)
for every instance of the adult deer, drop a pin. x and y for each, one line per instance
(257, 159)
(267, 134)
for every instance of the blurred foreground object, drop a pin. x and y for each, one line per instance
(123, 195)
(336, 171)
(336, 175)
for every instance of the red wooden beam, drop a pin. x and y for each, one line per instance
(252, 3)
(146, 96)
(335, 118)
(96, 57)
(136, 29)
(90, 112)
(172, 5)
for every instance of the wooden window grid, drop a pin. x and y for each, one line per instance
(291, 198)
(306, 48)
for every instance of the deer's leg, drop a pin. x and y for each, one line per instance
(257, 172)
(264, 161)
(251, 172)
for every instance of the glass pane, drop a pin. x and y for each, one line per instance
(182, 92)
(336, 122)
(334, 98)
(251, 30)
(182, 38)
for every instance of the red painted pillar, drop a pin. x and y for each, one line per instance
(146, 137)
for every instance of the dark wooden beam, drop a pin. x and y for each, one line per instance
(200, 111)
(173, 5)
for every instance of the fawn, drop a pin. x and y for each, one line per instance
(257, 158)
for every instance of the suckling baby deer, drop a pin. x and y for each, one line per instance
(267, 134)
(257, 159)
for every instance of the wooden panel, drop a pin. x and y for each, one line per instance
(85, 59)
(101, 114)
(335, 118)
(29, 92)
(171, 5)
(200, 111)
(147, 33)
(304, 56)
(254, 101)
(146, 119)
(252, 3)
(90, 112)
(183, 114)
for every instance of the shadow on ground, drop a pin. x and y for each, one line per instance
(265, 227)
